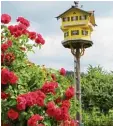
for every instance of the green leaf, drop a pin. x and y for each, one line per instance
(12, 102)
(39, 46)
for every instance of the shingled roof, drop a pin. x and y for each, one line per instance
(74, 7)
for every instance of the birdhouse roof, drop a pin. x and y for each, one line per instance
(74, 8)
(91, 13)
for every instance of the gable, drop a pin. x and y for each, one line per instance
(73, 10)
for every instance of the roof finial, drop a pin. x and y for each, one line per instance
(76, 3)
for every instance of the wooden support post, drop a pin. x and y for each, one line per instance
(78, 84)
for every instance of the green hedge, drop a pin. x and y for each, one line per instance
(95, 118)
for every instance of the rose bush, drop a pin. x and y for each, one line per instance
(31, 95)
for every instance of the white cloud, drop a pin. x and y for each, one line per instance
(34, 26)
(100, 53)
(29, 6)
(53, 54)
(102, 50)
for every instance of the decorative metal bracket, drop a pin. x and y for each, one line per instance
(81, 50)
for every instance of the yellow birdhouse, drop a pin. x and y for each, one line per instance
(77, 25)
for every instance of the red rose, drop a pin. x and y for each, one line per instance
(4, 47)
(9, 42)
(34, 119)
(51, 111)
(66, 103)
(40, 101)
(50, 104)
(39, 39)
(4, 95)
(16, 30)
(58, 100)
(17, 33)
(64, 109)
(65, 116)
(23, 21)
(74, 123)
(40, 94)
(49, 87)
(63, 71)
(7, 76)
(26, 32)
(34, 97)
(12, 114)
(32, 35)
(69, 93)
(21, 103)
(29, 100)
(5, 18)
(21, 107)
(4, 76)
(11, 29)
(13, 78)
(21, 27)
(9, 58)
(58, 114)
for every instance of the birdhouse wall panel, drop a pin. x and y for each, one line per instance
(75, 17)
(77, 33)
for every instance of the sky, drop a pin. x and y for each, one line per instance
(42, 15)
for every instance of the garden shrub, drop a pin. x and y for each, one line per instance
(97, 92)
(96, 118)
(32, 95)
(97, 89)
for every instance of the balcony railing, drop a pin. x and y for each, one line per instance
(77, 37)
(75, 23)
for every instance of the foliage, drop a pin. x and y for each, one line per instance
(31, 95)
(97, 96)
(97, 89)
(95, 118)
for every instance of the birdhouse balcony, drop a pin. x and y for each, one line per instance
(74, 23)
(77, 37)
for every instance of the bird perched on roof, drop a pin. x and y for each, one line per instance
(76, 3)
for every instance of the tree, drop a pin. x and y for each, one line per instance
(97, 89)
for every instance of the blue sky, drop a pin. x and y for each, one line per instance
(53, 54)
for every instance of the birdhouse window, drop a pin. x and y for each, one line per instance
(84, 17)
(75, 32)
(74, 18)
(66, 34)
(66, 19)
(84, 32)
